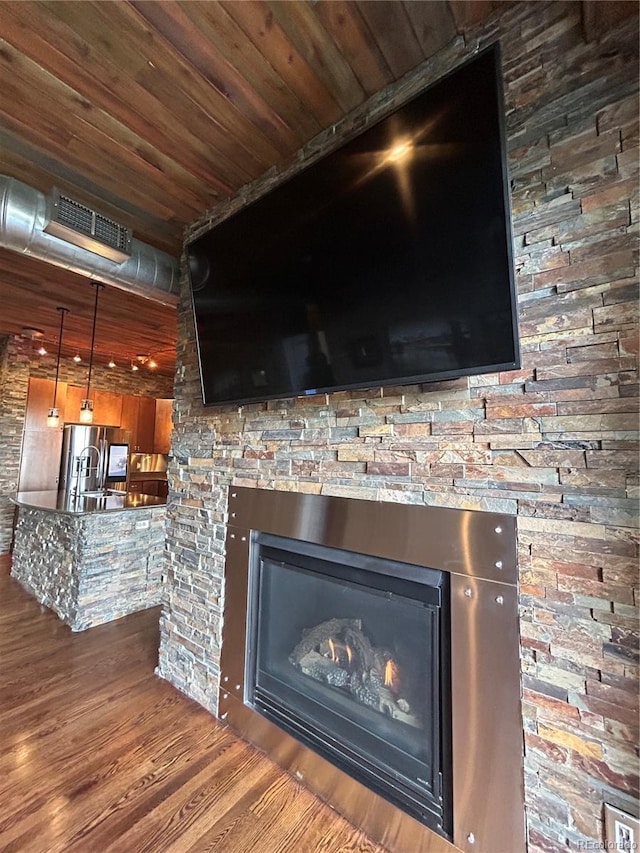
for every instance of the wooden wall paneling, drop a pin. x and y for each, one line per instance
(83, 135)
(394, 34)
(259, 90)
(356, 42)
(26, 162)
(432, 23)
(304, 28)
(163, 426)
(128, 324)
(168, 180)
(146, 424)
(258, 25)
(205, 108)
(56, 48)
(467, 13)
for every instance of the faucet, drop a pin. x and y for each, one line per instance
(83, 465)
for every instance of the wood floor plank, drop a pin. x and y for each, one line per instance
(99, 755)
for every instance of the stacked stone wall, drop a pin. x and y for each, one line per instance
(554, 443)
(92, 568)
(14, 385)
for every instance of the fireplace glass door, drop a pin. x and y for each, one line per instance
(350, 654)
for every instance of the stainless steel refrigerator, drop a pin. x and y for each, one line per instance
(93, 457)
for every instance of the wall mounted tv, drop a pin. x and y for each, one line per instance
(386, 262)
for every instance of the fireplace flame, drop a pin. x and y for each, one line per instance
(390, 673)
(340, 653)
(332, 650)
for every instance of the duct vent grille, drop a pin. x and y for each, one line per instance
(75, 222)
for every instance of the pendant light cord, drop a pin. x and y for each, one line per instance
(62, 311)
(98, 288)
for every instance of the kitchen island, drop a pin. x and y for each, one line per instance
(91, 559)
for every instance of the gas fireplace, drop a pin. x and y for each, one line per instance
(347, 654)
(372, 650)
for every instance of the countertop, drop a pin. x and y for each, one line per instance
(64, 502)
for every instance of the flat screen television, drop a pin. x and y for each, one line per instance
(387, 262)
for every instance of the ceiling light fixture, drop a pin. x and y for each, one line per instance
(42, 350)
(32, 333)
(77, 358)
(134, 366)
(111, 362)
(144, 359)
(86, 410)
(53, 418)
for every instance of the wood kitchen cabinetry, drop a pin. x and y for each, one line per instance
(107, 407)
(40, 400)
(146, 424)
(147, 420)
(41, 445)
(138, 416)
(163, 426)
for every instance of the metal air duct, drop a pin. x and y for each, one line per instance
(25, 213)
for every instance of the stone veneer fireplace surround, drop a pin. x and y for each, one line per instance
(553, 445)
(477, 550)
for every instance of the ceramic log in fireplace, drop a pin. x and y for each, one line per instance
(372, 649)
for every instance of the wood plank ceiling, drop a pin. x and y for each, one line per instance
(152, 112)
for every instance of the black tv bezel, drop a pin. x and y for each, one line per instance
(415, 379)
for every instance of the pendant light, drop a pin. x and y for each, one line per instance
(86, 410)
(53, 418)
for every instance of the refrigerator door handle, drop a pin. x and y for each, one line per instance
(102, 470)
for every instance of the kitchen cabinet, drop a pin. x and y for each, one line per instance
(107, 407)
(129, 417)
(154, 486)
(163, 426)
(146, 424)
(138, 416)
(40, 460)
(73, 402)
(41, 445)
(40, 400)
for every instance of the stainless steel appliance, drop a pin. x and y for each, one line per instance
(85, 457)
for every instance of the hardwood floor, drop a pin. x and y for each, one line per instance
(98, 755)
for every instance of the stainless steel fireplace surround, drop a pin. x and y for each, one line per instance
(478, 551)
